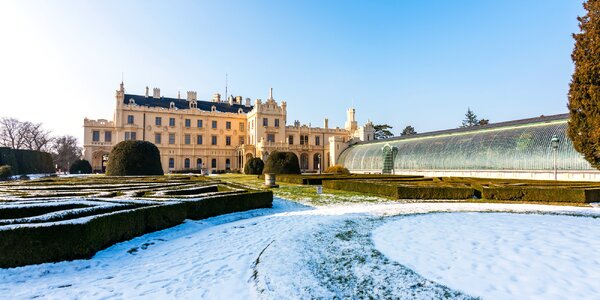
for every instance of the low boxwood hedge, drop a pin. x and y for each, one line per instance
(394, 191)
(542, 194)
(224, 204)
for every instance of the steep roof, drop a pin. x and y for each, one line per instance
(165, 102)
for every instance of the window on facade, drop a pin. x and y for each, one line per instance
(171, 122)
(171, 163)
(227, 164)
(95, 136)
(187, 139)
(227, 125)
(228, 140)
(317, 140)
(291, 139)
(130, 136)
(241, 126)
(158, 121)
(133, 136)
(157, 138)
(108, 136)
(199, 139)
(271, 138)
(276, 122)
(129, 119)
(265, 122)
(241, 140)
(199, 123)
(171, 138)
(213, 163)
(214, 124)
(186, 163)
(188, 123)
(304, 140)
(213, 140)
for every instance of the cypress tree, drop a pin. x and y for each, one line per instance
(584, 89)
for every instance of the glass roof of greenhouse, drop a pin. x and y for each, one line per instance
(514, 145)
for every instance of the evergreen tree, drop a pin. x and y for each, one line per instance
(382, 131)
(470, 119)
(584, 89)
(408, 130)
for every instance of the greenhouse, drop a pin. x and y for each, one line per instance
(523, 145)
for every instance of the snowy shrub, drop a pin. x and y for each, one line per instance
(337, 169)
(134, 158)
(282, 163)
(254, 166)
(80, 166)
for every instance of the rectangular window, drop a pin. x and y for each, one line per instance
(130, 136)
(213, 163)
(241, 126)
(172, 122)
(304, 140)
(95, 136)
(291, 139)
(241, 140)
(228, 141)
(227, 125)
(129, 119)
(171, 163)
(265, 122)
(213, 140)
(317, 140)
(157, 138)
(199, 139)
(187, 139)
(214, 124)
(133, 136)
(199, 123)
(277, 123)
(158, 121)
(188, 123)
(171, 138)
(271, 138)
(108, 136)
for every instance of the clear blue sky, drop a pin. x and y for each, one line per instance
(398, 62)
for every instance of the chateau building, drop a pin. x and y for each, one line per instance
(216, 135)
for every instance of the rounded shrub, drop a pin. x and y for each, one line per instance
(80, 166)
(134, 158)
(254, 165)
(282, 163)
(337, 169)
(5, 172)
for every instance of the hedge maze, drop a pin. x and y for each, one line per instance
(55, 219)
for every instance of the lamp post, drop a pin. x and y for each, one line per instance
(554, 142)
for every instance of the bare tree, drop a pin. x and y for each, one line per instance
(36, 137)
(23, 135)
(65, 151)
(11, 133)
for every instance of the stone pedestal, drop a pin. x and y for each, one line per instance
(270, 181)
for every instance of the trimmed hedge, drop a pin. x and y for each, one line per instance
(81, 166)
(5, 172)
(134, 158)
(337, 169)
(282, 163)
(401, 191)
(254, 166)
(542, 194)
(26, 161)
(224, 204)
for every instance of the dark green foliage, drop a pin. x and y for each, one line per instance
(408, 130)
(394, 191)
(26, 161)
(543, 194)
(382, 131)
(224, 204)
(134, 158)
(584, 89)
(80, 166)
(194, 191)
(282, 163)
(470, 119)
(5, 172)
(254, 166)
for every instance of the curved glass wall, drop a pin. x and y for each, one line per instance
(518, 147)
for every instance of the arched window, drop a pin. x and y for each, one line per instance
(228, 164)
(172, 104)
(199, 163)
(213, 108)
(131, 101)
(186, 163)
(317, 161)
(240, 111)
(304, 161)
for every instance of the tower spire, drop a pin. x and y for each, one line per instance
(271, 93)
(225, 86)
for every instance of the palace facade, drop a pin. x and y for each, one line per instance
(216, 135)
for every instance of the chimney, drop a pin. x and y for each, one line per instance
(147, 91)
(326, 123)
(238, 99)
(192, 96)
(248, 101)
(156, 93)
(230, 100)
(216, 97)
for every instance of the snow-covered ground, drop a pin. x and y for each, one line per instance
(289, 251)
(499, 255)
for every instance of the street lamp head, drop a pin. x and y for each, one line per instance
(555, 141)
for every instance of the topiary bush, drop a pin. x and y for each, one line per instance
(80, 166)
(254, 165)
(134, 158)
(5, 172)
(337, 169)
(282, 163)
